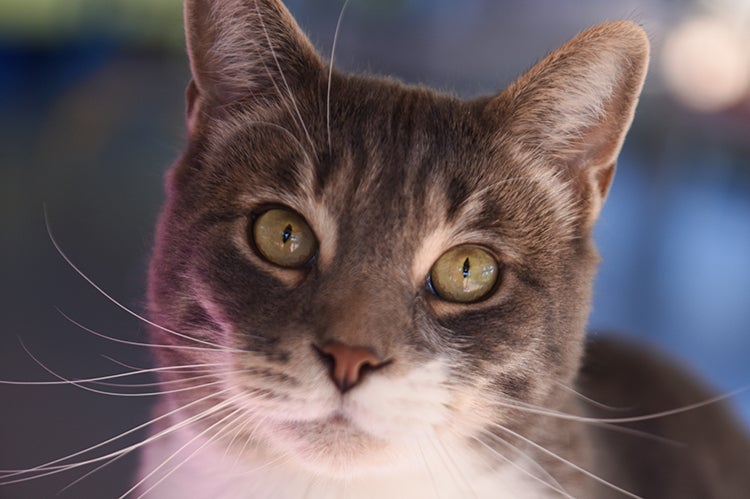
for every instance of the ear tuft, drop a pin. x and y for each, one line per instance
(244, 49)
(575, 106)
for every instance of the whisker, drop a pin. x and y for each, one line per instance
(93, 471)
(154, 394)
(112, 457)
(53, 465)
(330, 72)
(178, 451)
(640, 434)
(287, 132)
(591, 401)
(237, 433)
(565, 461)
(248, 438)
(552, 480)
(427, 468)
(192, 368)
(136, 343)
(290, 94)
(520, 468)
(113, 300)
(194, 419)
(100, 379)
(450, 467)
(215, 374)
(80, 384)
(281, 457)
(599, 422)
(279, 92)
(630, 419)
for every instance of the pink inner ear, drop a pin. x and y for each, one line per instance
(192, 106)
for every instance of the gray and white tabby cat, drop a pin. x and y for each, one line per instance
(382, 290)
(392, 285)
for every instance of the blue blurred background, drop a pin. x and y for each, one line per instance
(91, 115)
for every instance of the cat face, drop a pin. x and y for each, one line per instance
(391, 192)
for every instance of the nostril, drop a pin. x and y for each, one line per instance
(326, 358)
(347, 364)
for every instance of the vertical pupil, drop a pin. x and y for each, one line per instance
(287, 233)
(466, 268)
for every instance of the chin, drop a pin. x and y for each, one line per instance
(335, 447)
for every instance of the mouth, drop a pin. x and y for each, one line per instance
(337, 419)
(337, 423)
(332, 445)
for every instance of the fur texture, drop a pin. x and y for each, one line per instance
(471, 399)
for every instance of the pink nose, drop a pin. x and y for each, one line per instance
(348, 364)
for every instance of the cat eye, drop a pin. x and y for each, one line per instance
(464, 274)
(283, 238)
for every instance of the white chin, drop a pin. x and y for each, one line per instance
(334, 447)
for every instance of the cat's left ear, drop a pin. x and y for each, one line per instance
(573, 108)
(244, 51)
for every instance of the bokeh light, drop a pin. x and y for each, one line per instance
(707, 64)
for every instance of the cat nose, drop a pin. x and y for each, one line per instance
(348, 364)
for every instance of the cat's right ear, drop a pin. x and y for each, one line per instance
(244, 51)
(571, 111)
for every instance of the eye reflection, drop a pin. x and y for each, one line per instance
(284, 238)
(464, 274)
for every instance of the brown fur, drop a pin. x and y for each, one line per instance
(704, 451)
(523, 173)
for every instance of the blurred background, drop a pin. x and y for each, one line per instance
(91, 115)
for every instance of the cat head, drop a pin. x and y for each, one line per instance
(362, 263)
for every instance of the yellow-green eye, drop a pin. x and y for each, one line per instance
(284, 238)
(464, 274)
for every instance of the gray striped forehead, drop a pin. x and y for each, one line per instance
(407, 175)
(398, 170)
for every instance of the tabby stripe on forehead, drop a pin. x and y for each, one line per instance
(323, 172)
(458, 193)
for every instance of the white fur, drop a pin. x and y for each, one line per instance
(213, 474)
(396, 433)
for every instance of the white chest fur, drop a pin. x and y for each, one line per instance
(203, 470)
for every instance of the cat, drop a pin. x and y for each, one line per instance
(365, 289)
